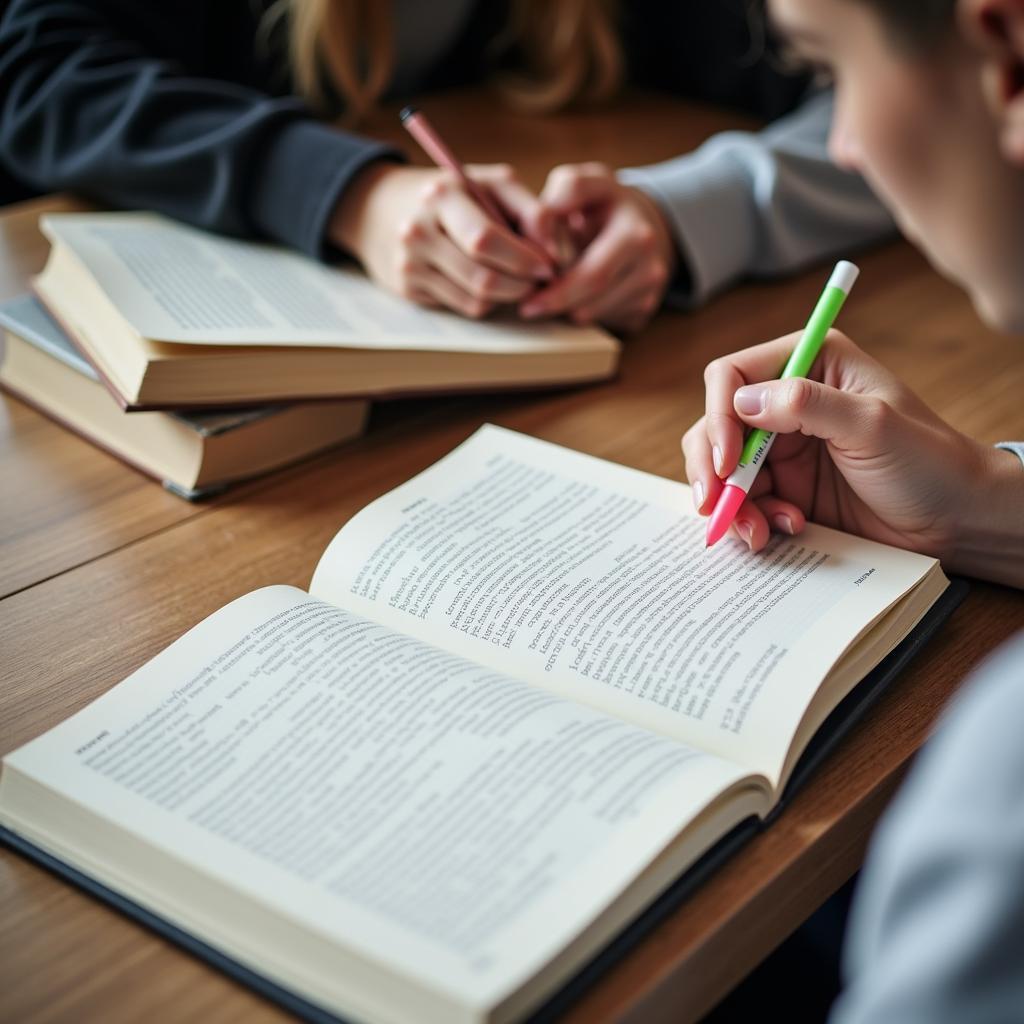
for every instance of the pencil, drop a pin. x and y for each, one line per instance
(419, 127)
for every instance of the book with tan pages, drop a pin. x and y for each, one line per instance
(174, 317)
(193, 454)
(519, 702)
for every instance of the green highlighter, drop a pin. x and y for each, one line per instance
(759, 442)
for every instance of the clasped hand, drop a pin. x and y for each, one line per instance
(608, 253)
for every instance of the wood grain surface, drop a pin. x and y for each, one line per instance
(100, 569)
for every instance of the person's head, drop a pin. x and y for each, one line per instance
(930, 109)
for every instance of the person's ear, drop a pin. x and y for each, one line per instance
(996, 29)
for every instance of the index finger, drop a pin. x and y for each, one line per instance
(486, 241)
(606, 261)
(535, 222)
(722, 378)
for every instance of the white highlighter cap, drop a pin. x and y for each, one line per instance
(843, 276)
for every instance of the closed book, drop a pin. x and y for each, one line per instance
(193, 454)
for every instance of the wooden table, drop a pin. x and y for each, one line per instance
(100, 569)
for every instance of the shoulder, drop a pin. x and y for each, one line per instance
(962, 801)
(959, 811)
(936, 926)
(978, 741)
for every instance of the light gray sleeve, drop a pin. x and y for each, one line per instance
(937, 927)
(761, 203)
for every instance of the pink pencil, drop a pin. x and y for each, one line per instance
(417, 125)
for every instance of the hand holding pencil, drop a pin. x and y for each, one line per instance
(425, 234)
(855, 449)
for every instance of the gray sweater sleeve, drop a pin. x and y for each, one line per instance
(761, 204)
(937, 928)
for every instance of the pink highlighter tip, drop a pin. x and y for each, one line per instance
(726, 507)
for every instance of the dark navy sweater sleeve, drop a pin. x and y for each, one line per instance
(166, 107)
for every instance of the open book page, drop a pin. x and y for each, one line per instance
(592, 580)
(175, 283)
(445, 821)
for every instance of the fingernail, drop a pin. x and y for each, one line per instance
(745, 530)
(543, 273)
(716, 457)
(531, 309)
(751, 400)
(783, 523)
(698, 495)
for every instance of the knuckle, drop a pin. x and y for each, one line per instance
(696, 434)
(410, 232)
(405, 266)
(436, 189)
(657, 275)
(714, 369)
(484, 282)
(723, 420)
(798, 394)
(877, 416)
(693, 459)
(643, 235)
(482, 240)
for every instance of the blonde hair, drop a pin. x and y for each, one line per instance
(570, 48)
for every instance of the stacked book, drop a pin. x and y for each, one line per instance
(194, 454)
(203, 360)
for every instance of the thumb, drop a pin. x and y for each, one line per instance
(570, 188)
(846, 419)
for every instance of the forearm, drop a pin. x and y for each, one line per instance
(762, 203)
(113, 99)
(989, 543)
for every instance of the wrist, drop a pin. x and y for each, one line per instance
(989, 541)
(353, 212)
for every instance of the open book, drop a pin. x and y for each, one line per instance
(519, 699)
(172, 317)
